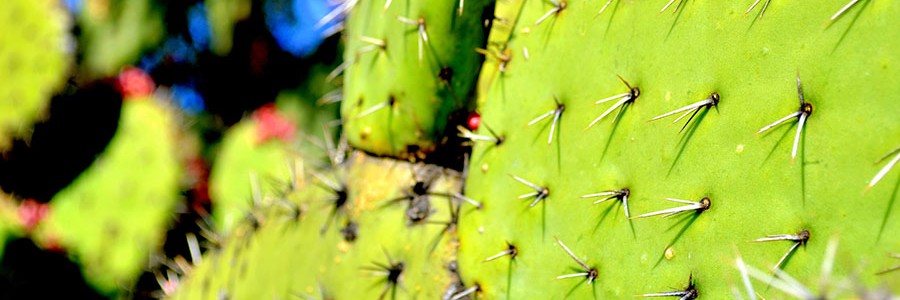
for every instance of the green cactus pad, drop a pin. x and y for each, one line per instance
(286, 256)
(33, 61)
(414, 100)
(849, 70)
(119, 208)
(241, 158)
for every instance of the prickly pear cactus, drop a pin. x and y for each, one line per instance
(120, 207)
(626, 148)
(346, 234)
(245, 157)
(409, 64)
(742, 71)
(34, 57)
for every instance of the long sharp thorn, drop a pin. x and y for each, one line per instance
(608, 111)
(466, 292)
(751, 293)
(604, 7)
(752, 6)
(686, 108)
(525, 182)
(608, 193)
(786, 254)
(622, 95)
(843, 9)
(499, 255)
(665, 294)
(572, 255)
(689, 119)
(556, 116)
(582, 274)
(883, 171)
(780, 121)
(541, 117)
(797, 136)
(550, 12)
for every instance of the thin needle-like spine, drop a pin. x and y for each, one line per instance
(334, 13)
(752, 6)
(781, 282)
(556, 113)
(691, 206)
(466, 292)
(802, 114)
(780, 121)
(669, 4)
(539, 192)
(422, 34)
(372, 109)
(762, 11)
(786, 254)
(511, 250)
(886, 168)
(665, 294)
(572, 255)
(609, 195)
(694, 105)
(589, 272)
(557, 7)
(499, 255)
(800, 124)
(799, 239)
(843, 9)
(745, 278)
(468, 134)
(624, 100)
(604, 7)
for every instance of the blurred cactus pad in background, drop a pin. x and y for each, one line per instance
(449, 149)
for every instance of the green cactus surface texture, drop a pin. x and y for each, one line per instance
(343, 234)
(32, 62)
(690, 149)
(409, 64)
(755, 63)
(121, 206)
(244, 159)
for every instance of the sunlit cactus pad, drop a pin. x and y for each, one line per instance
(274, 252)
(409, 64)
(112, 216)
(849, 72)
(34, 59)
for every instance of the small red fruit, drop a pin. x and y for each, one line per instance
(134, 83)
(271, 125)
(31, 213)
(473, 121)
